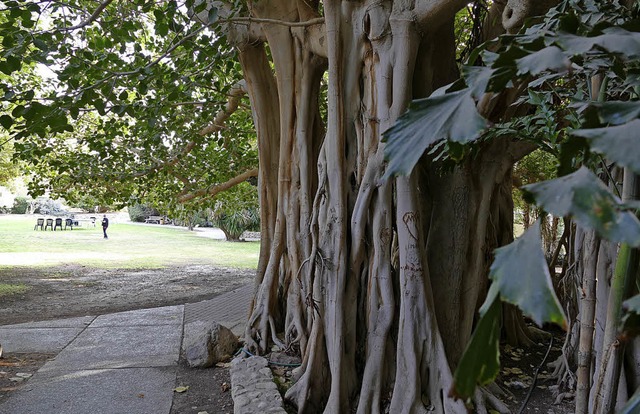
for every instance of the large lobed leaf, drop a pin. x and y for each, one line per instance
(613, 39)
(451, 116)
(583, 196)
(549, 58)
(480, 363)
(616, 112)
(618, 143)
(521, 275)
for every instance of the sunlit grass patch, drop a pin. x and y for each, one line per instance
(7, 289)
(129, 246)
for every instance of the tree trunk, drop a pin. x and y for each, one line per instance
(376, 283)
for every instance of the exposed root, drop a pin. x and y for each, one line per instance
(484, 399)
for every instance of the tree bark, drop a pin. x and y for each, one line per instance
(587, 318)
(376, 283)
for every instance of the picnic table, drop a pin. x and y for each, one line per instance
(80, 222)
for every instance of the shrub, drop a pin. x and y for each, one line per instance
(236, 211)
(235, 222)
(140, 212)
(20, 205)
(49, 207)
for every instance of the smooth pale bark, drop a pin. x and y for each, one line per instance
(587, 318)
(609, 375)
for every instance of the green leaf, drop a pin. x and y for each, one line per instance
(6, 121)
(480, 363)
(616, 112)
(10, 65)
(613, 39)
(549, 58)
(521, 275)
(583, 196)
(18, 111)
(630, 322)
(213, 15)
(477, 78)
(451, 116)
(618, 143)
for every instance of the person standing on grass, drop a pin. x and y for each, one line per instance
(105, 224)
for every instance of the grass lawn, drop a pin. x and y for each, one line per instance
(128, 246)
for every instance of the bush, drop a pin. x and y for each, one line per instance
(48, 207)
(234, 223)
(20, 205)
(139, 212)
(236, 211)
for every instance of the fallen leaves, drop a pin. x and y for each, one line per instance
(181, 389)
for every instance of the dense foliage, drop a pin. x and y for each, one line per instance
(20, 205)
(140, 212)
(577, 71)
(128, 111)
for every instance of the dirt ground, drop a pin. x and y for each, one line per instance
(72, 290)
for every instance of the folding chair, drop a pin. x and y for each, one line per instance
(39, 223)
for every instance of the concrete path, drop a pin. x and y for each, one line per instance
(121, 363)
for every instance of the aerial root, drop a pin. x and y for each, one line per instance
(274, 337)
(484, 398)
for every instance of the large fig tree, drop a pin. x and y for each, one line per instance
(372, 269)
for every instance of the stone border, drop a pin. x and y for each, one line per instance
(252, 387)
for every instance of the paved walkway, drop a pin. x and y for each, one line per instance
(121, 363)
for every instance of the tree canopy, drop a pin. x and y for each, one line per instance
(124, 100)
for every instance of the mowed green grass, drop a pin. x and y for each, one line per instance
(128, 246)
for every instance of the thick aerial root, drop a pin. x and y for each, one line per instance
(310, 390)
(485, 399)
(518, 334)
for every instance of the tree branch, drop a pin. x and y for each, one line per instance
(430, 11)
(91, 18)
(212, 191)
(236, 93)
(306, 23)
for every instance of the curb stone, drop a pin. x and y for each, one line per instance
(252, 387)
